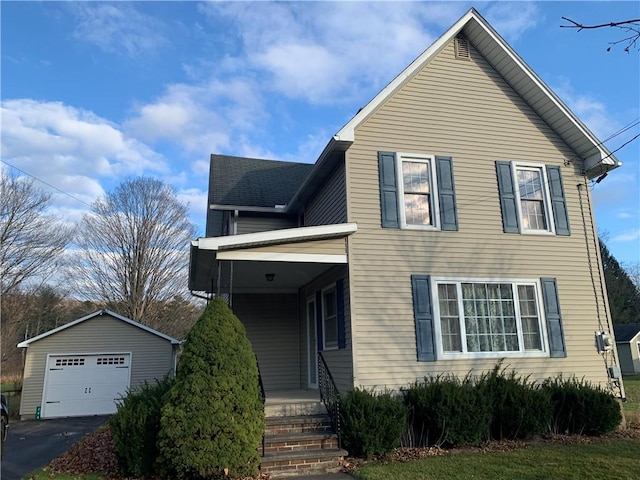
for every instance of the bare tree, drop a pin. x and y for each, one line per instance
(630, 27)
(633, 271)
(134, 247)
(31, 242)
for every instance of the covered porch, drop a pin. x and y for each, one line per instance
(263, 275)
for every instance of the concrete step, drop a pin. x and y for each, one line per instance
(308, 462)
(292, 409)
(295, 442)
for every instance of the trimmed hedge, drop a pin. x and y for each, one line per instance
(445, 410)
(372, 423)
(135, 428)
(581, 408)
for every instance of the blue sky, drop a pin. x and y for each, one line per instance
(96, 92)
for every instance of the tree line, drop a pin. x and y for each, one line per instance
(128, 253)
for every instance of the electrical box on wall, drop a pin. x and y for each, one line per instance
(604, 342)
(614, 372)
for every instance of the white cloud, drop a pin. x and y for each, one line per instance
(627, 236)
(71, 150)
(118, 27)
(512, 19)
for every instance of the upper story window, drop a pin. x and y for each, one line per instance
(417, 185)
(532, 198)
(417, 191)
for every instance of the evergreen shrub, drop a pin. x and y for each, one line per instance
(371, 423)
(520, 409)
(135, 428)
(213, 419)
(582, 408)
(445, 410)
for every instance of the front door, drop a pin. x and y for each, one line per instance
(312, 344)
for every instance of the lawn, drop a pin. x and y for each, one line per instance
(632, 390)
(610, 459)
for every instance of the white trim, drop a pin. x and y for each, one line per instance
(248, 208)
(602, 157)
(434, 204)
(275, 236)
(104, 311)
(326, 347)
(514, 282)
(281, 257)
(548, 207)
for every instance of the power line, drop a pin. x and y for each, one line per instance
(45, 183)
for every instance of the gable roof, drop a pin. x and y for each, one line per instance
(253, 182)
(626, 332)
(104, 311)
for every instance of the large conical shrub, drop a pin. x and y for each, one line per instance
(213, 419)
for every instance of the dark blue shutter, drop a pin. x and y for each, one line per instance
(319, 320)
(340, 313)
(388, 189)
(507, 194)
(446, 194)
(554, 318)
(556, 190)
(423, 318)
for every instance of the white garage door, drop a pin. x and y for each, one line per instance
(77, 385)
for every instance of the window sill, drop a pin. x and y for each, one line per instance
(490, 355)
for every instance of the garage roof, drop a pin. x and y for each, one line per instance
(104, 311)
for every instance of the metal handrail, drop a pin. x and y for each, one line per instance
(329, 395)
(264, 399)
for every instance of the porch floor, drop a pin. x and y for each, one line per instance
(278, 397)
(287, 403)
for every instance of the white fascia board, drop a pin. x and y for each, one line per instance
(347, 133)
(245, 208)
(275, 236)
(104, 311)
(281, 257)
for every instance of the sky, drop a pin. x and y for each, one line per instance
(97, 92)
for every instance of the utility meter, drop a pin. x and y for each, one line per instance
(604, 342)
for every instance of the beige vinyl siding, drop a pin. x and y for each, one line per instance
(465, 110)
(340, 362)
(328, 206)
(335, 246)
(264, 224)
(271, 322)
(151, 356)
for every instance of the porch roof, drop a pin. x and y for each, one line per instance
(276, 260)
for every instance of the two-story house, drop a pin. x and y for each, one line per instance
(446, 226)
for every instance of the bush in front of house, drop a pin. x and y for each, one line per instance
(213, 418)
(582, 408)
(446, 410)
(520, 409)
(135, 428)
(371, 422)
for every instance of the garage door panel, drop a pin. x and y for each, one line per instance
(79, 385)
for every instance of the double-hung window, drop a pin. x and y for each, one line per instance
(417, 191)
(330, 318)
(488, 318)
(532, 198)
(417, 186)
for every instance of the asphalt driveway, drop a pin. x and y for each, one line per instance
(32, 444)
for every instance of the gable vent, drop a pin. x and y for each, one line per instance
(462, 48)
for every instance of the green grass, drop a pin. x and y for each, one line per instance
(614, 459)
(45, 475)
(632, 391)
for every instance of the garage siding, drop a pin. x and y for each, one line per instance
(151, 355)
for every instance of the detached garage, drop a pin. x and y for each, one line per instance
(83, 367)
